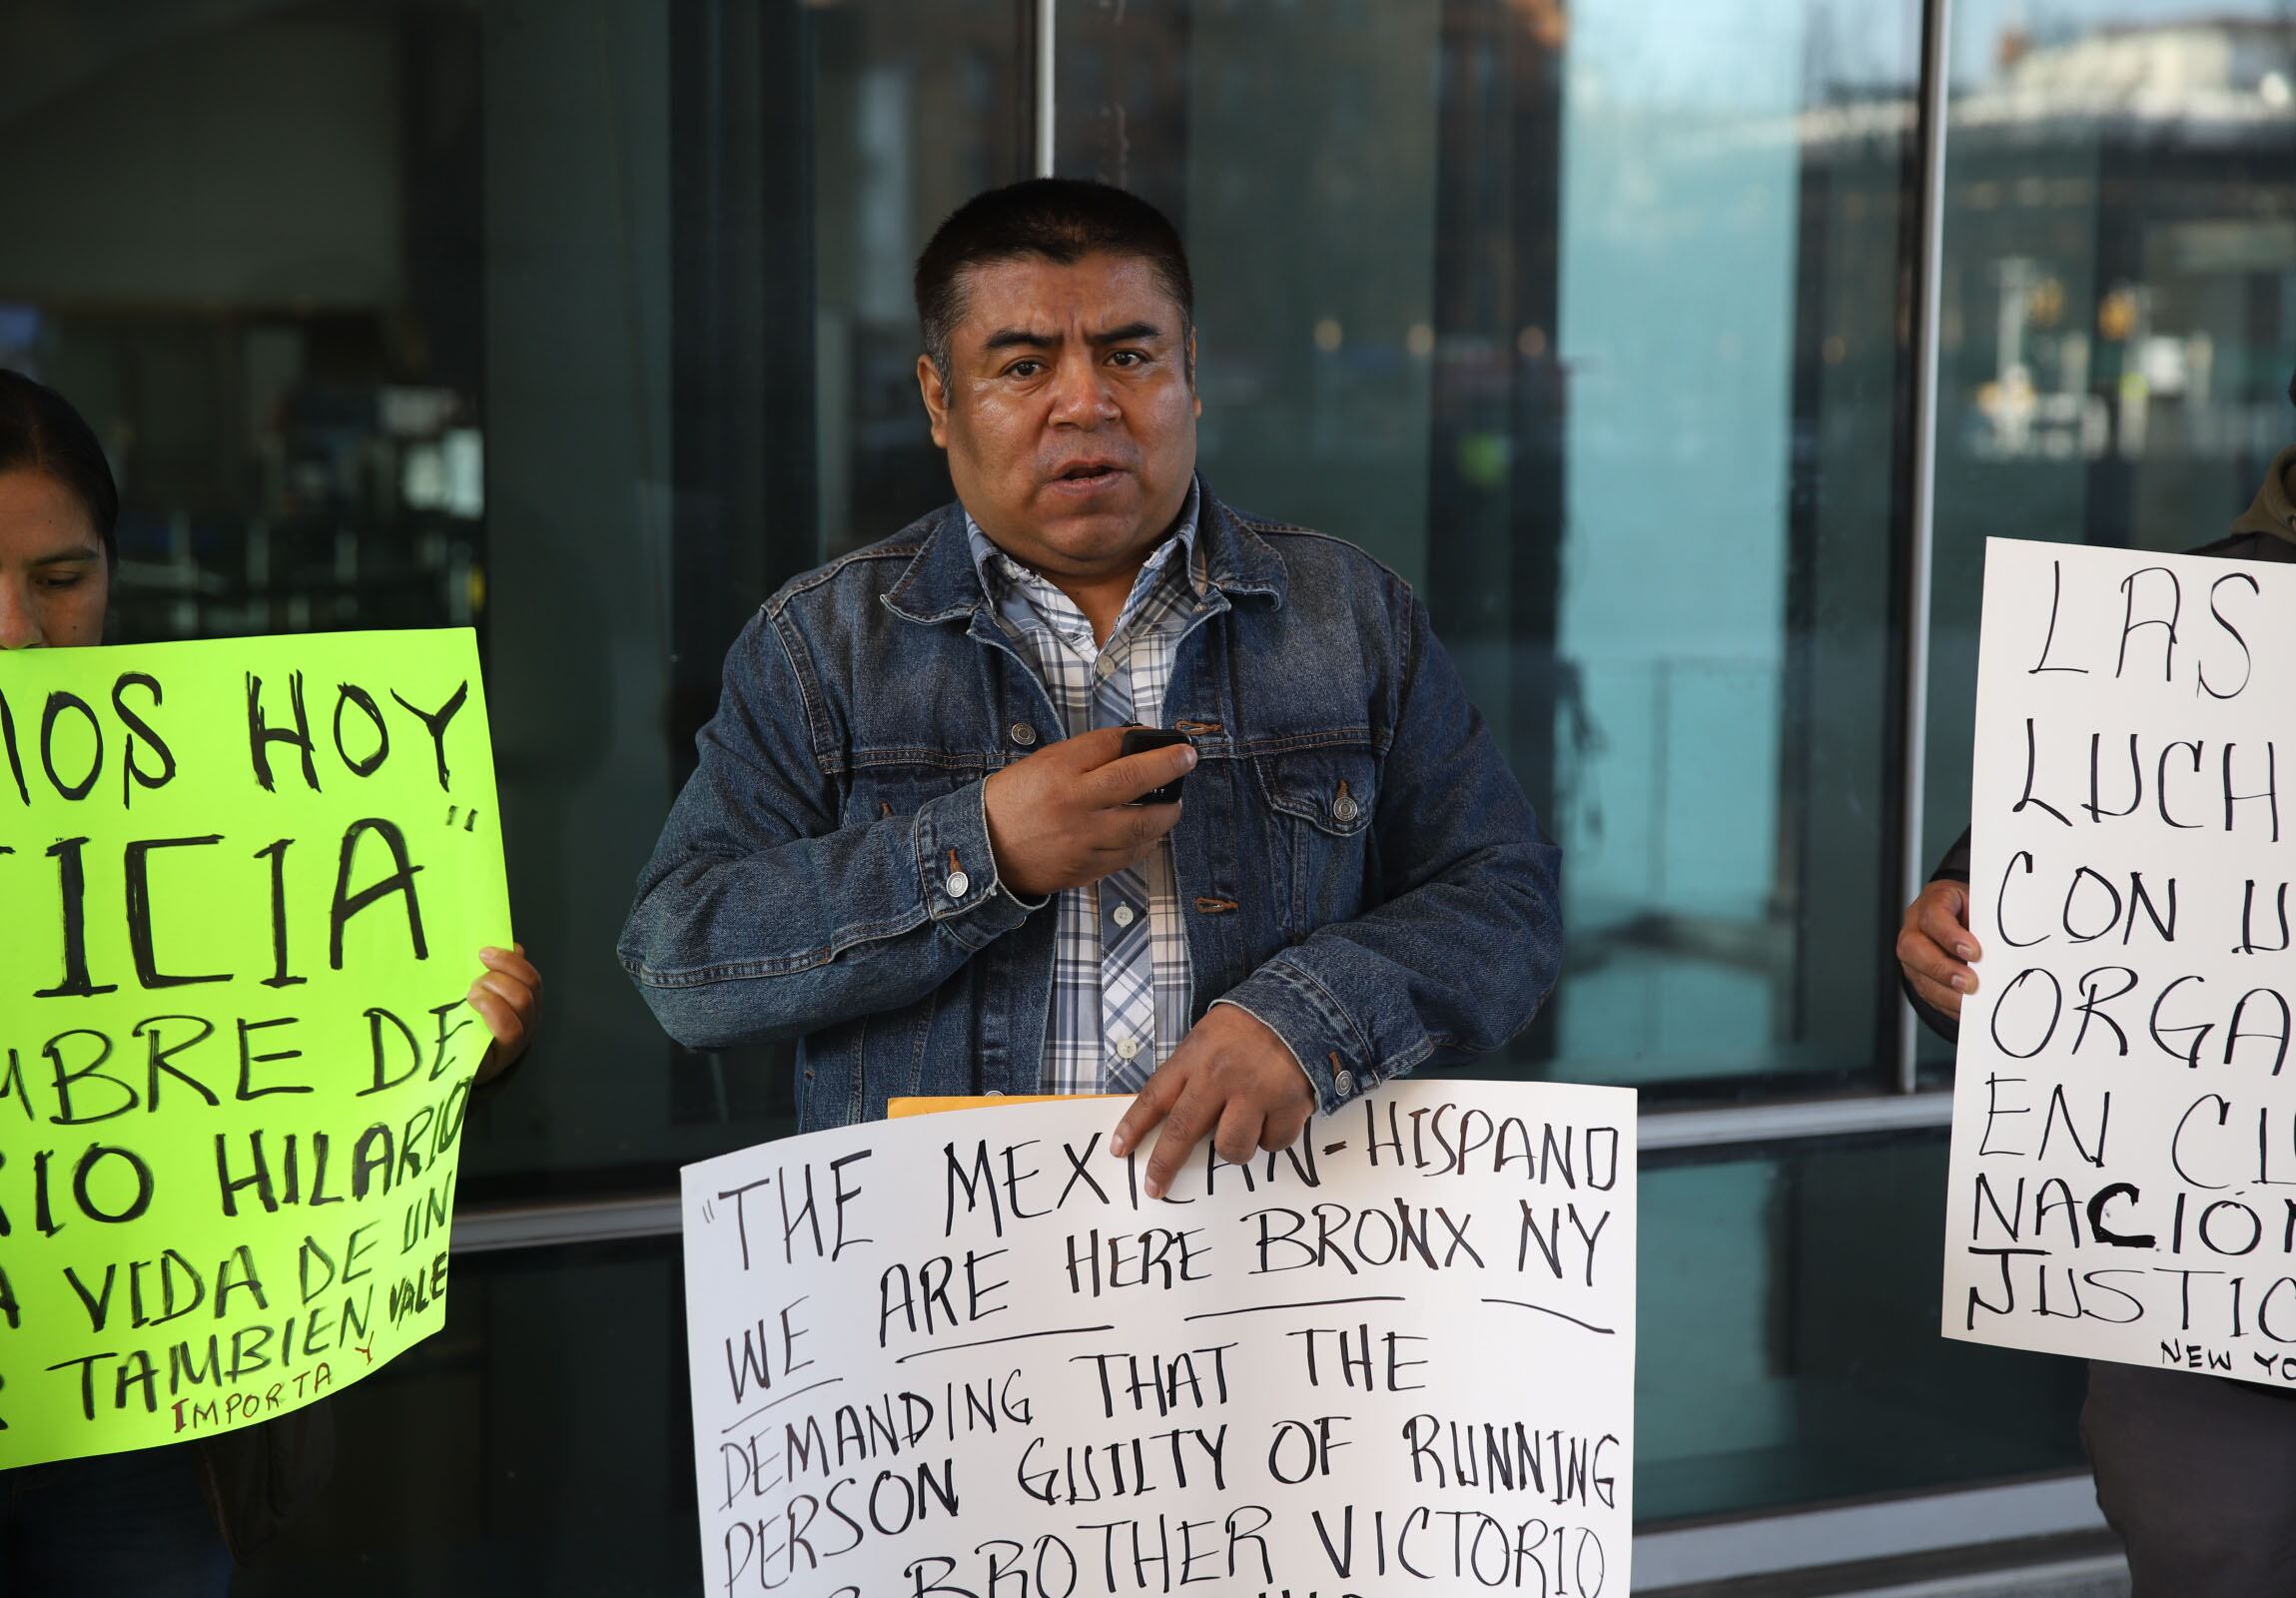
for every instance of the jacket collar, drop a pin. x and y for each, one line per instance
(941, 584)
(2275, 508)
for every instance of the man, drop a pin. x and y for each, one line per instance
(2195, 1474)
(911, 840)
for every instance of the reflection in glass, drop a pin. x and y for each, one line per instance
(587, 326)
(1590, 323)
(919, 106)
(1790, 1351)
(540, 1443)
(2118, 299)
(270, 325)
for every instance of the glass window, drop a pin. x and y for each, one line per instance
(2119, 295)
(585, 326)
(540, 1443)
(917, 106)
(589, 325)
(1790, 1351)
(1590, 323)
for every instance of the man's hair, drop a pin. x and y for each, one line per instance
(1060, 218)
(40, 431)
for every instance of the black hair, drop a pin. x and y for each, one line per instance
(1062, 219)
(40, 431)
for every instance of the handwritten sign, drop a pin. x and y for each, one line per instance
(2123, 1178)
(247, 884)
(964, 1354)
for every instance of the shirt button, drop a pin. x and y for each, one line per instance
(1128, 1047)
(1343, 1084)
(1023, 734)
(1105, 665)
(958, 885)
(1122, 915)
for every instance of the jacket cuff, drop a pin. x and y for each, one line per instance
(957, 870)
(1338, 1062)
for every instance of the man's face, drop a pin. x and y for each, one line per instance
(1067, 411)
(54, 579)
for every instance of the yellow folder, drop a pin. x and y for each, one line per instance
(897, 1108)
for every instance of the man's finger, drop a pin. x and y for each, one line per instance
(1120, 782)
(1944, 917)
(1282, 1128)
(1923, 960)
(1089, 751)
(1937, 998)
(1116, 838)
(1148, 1105)
(1237, 1139)
(1185, 1125)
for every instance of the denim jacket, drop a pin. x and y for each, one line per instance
(1356, 866)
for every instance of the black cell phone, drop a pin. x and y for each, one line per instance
(1138, 740)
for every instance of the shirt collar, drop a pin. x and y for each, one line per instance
(997, 569)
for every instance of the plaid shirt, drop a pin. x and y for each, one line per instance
(1120, 978)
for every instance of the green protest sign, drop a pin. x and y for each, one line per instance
(245, 884)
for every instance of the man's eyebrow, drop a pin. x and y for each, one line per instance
(67, 556)
(1024, 337)
(1013, 337)
(1129, 333)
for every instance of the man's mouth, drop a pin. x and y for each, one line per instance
(1083, 476)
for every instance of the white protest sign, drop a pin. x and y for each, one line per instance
(2123, 1178)
(963, 1355)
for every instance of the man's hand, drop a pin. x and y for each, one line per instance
(1936, 949)
(1231, 1076)
(1063, 817)
(509, 998)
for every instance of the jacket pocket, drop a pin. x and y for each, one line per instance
(1320, 803)
(879, 791)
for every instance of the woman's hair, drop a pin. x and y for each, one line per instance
(40, 431)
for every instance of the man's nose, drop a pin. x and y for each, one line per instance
(1081, 396)
(19, 617)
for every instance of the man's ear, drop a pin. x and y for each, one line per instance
(1195, 396)
(936, 394)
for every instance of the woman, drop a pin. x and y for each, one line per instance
(156, 1522)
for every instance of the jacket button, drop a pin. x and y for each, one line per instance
(958, 885)
(1344, 809)
(1023, 734)
(1343, 1084)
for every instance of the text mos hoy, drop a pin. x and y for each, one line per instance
(249, 882)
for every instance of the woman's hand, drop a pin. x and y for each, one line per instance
(509, 998)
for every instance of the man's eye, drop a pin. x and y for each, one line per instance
(69, 580)
(1023, 369)
(1130, 358)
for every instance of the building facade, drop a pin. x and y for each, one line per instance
(1683, 355)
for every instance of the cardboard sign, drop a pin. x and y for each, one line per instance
(247, 885)
(964, 1354)
(2124, 1120)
